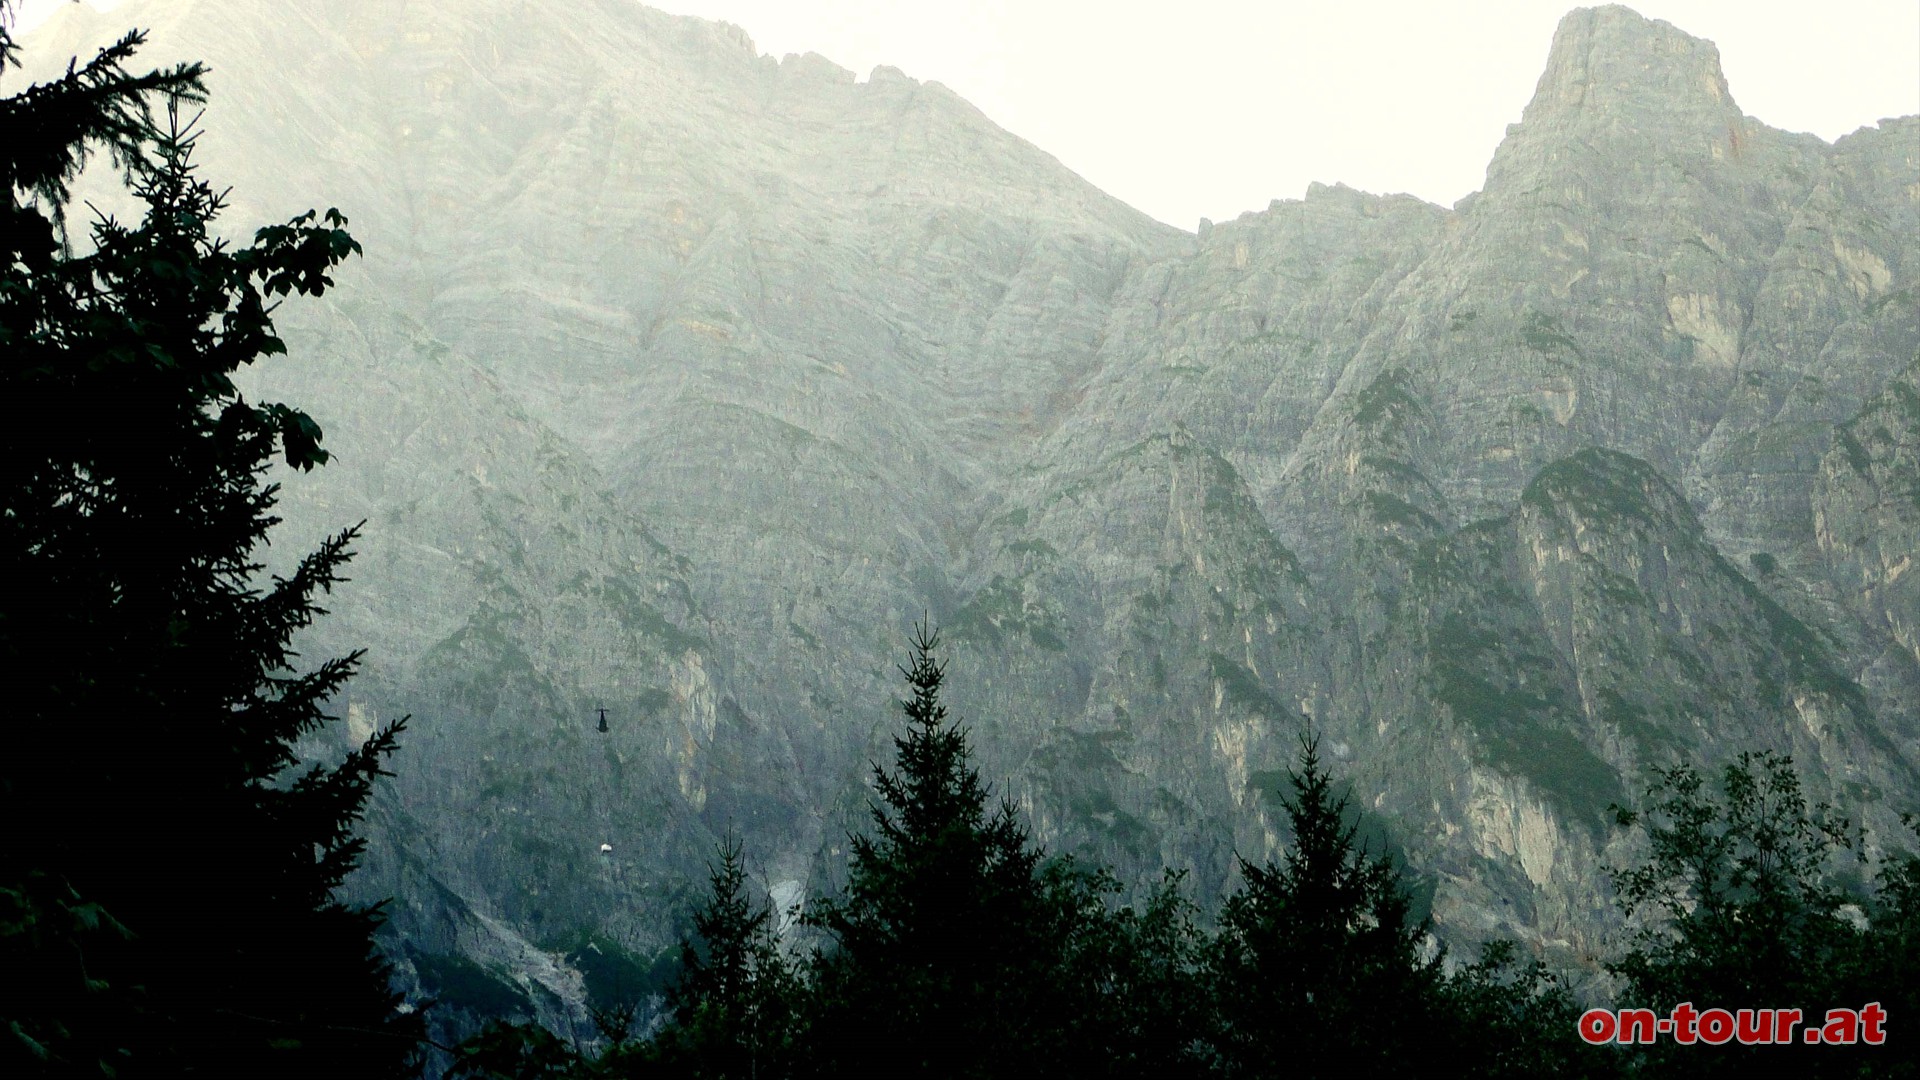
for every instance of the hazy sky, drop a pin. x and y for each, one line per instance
(1211, 107)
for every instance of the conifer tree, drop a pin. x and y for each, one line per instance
(734, 1005)
(1318, 967)
(168, 868)
(945, 955)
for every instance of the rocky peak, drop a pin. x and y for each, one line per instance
(1611, 58)
(1620, 88)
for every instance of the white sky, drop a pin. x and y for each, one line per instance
(1211, 107)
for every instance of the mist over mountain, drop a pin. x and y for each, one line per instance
(680, 380)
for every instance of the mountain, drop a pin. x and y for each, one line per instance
(680, 380)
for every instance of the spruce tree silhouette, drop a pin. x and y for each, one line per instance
(735, 1001)
(945, 958)
(1318, 969)
(167, 871)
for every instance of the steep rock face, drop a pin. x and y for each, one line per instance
(1595, 289)
(1866, 519)
(1523, 672)
(1243, 341)
(679, 380)
(1867, 506)
(1834, 317)
(1676, 652)
(502, 598)
(1145, 647)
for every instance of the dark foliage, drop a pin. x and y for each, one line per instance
(1743, 908)
(1508, 1017)
(509, 1051)
(1313, 952)
(1319, 970)
(1888, 965)
(1136, 975)
(167, 870)
(945, 956)
(52, 129)
(735, 1004)
(958, 948)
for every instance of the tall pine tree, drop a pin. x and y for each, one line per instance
(168, 868)
(1318, 968)
(947, 951)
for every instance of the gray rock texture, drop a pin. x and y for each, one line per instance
(680, 380)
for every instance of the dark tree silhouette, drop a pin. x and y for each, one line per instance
(1513, 1018)
(735, 1001)
(1134, 978)
(168, 867)
(932, 917)
(1315, 952)
(1743, 905)
(951, 940)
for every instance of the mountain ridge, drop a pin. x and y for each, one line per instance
(679, 379)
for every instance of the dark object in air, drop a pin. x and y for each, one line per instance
(603, 722)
